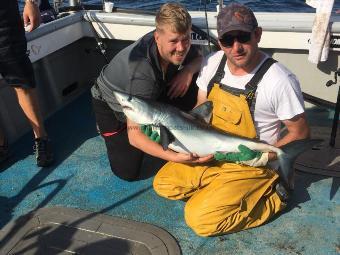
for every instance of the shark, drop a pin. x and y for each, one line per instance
(190, 133)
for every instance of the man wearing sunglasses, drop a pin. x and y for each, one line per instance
(252, 96)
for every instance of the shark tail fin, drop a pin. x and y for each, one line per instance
(287, 158)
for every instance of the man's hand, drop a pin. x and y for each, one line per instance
(192, 158)
(180, 84)
(31, 15)
(246, 156)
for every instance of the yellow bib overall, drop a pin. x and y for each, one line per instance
(231, 113)
(223, 197)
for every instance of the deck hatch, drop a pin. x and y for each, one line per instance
(59, 230)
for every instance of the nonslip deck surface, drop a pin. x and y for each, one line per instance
(81, 179)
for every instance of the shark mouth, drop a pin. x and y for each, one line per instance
(125, 107)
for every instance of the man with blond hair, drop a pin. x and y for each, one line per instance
(159, 66)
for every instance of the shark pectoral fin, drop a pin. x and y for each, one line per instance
(203, 111)
(166, 137)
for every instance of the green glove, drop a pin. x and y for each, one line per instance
(153, 135)
(244, 156)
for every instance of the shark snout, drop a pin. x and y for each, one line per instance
(124, 101)
(120, 97)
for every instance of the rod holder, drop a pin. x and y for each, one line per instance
(57, 4)
(337, 109)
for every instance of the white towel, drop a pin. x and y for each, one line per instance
(320, 39)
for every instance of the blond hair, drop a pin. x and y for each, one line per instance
(175, 15)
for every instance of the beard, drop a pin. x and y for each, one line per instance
(244, 58)
(177, 58)
(242, 61)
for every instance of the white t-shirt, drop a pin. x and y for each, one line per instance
(278, 95)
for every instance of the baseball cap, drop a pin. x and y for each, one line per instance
(235, 16)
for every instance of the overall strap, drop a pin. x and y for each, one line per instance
(218, 75)
(252, 84)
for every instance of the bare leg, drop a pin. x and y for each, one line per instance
(29, 103)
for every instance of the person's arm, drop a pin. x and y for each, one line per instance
(201, 97)
(180, 84)
(31, 15)
(143, 143)
(297, 129)
(208, 68)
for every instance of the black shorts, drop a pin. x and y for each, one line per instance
(126, 162)
(16, 68)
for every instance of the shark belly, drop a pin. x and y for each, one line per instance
(204, 143)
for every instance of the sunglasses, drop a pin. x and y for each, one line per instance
(228, 40)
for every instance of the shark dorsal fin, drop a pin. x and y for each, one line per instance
(166, 137)
(202, 111)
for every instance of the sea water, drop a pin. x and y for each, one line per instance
(210, 5)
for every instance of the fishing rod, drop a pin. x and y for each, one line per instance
(77, 5)
(220, 4)
(100, 44)
(206, 23)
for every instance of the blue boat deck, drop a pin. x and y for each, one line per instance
(81, 178)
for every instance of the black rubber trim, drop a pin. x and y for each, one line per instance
(318, 101)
